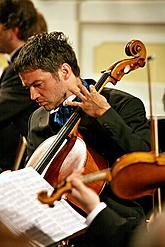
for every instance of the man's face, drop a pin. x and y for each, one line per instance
(46, 89)
(5, 39)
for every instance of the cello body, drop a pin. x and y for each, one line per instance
(77, 155)
(73, 154)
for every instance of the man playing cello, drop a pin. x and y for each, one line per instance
(114, 123)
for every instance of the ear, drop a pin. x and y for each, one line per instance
(14, 36)
(65, 71)
(15, 31)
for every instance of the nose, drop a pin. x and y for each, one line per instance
(33, 93)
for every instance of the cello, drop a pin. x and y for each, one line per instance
(134, 48)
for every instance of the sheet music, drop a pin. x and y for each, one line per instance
(20, 208)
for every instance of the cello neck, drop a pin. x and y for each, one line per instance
(43, 196)
(104, 174)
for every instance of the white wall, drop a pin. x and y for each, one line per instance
(60, 16)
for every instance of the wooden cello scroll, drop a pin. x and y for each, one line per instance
(113, 74)
(136, 49)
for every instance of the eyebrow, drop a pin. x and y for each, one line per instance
(34, 82)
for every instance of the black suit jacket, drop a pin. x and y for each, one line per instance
(15, 109)
(114, 226)
(122, 129)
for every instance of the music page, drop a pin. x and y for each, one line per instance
(22, 212)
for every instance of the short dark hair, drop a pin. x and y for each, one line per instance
(47, 52)
(19, 13)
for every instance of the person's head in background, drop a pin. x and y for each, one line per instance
(18, 21)
(41, 25)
